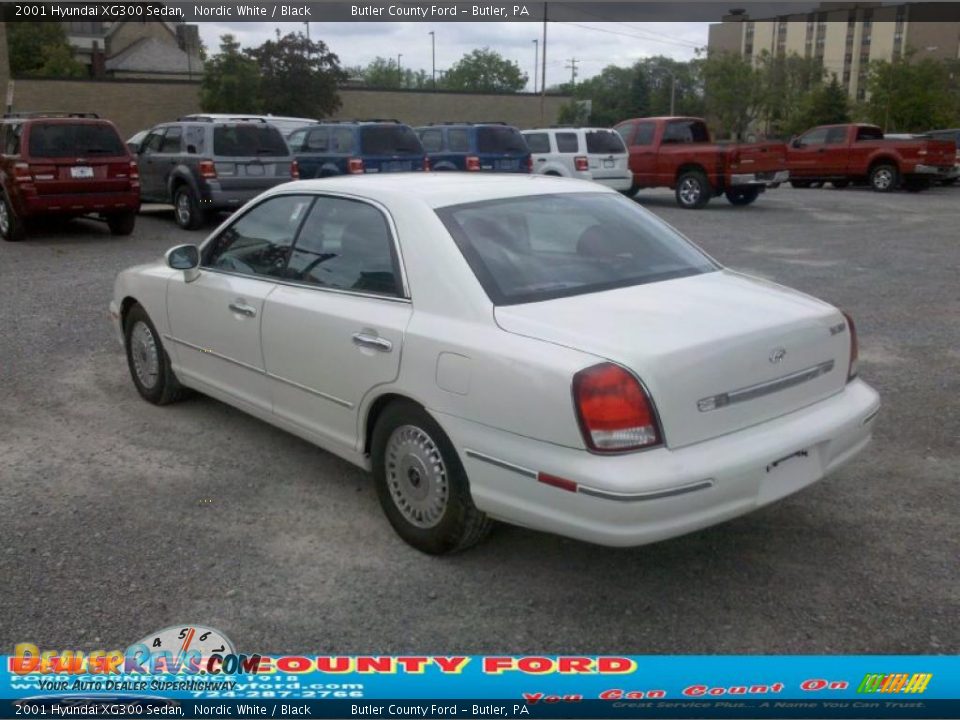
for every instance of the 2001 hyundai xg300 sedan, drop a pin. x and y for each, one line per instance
(535, 350)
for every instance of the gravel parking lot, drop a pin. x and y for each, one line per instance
(121, 518)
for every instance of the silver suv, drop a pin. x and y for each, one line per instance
(203, 165)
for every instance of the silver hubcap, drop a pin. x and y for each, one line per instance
(882, 178)
(4, 218)
(416, 476)
(145, 355)
(689, 191)
(183, 209)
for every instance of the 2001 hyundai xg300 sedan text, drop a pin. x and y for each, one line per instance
(536, 350)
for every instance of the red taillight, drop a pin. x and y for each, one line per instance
(295, 170)
(473, 163)
(852, 368)
(21, 173)
(134, 170)
(208, 170)
(613, 409)
(530, 163)
(426, 164)
(581, 163)
(355, 166)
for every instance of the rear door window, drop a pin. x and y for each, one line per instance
(495, 139)
(538, 142)
(390, 140)
(869, 133)
(432, 140)
(193, 139)
(458, 140)
(60, 140)
(11, 139)
(246, 140)
(341, 140)
(318, 140)
(684, 132)
(604, 142)
(645, 131)
(568, 143)
(296, 140)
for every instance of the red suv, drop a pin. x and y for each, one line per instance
(65, 164)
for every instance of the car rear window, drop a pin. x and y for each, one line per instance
(390, 140)
(500, 140)
(541, 247)
(58, 140)
(243, 140)
(604, 141)
(538, 142)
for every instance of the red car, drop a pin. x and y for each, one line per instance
(677, 152)
(66, 165)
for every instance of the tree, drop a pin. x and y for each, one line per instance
(788, 84)
(297, 76)
(40, 49)
(908, 96)
(615, 94)
(382, 73)
(826, 104)
(485, 71)
(734, 92)
(231, 81)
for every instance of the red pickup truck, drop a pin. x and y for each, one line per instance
(677, 152)
(842, 154)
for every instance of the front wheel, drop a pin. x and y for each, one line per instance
(742, 196)
(121, 223)
(148, 361)
(186, 209)
(884, 177)
(693, 190)
(422, 486)
(11, 227)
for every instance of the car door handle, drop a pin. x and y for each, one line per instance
(243, 309)
(375, 342)
(541, 159)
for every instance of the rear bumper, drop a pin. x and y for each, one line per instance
(79, 203)
(764, 178)
(219, 198)
(617, 183)
(921, 169)
(644, 497)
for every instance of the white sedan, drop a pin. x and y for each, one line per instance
(535, 350)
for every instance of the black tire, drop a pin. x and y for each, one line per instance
(840, 184)
(632, 192)
(11, 227)
(186, 209)
(458, 524)
(122, 223)
(165, 388)
(949, 181)
(801, 184)
(742, 196)
(884, 177)
(693, 190)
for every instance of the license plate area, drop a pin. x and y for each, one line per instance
(790, 473)
(255, 170)
(81, 171)
(396, 166)
(508, 164)
(609, 163)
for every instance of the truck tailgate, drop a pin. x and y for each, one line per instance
(757, 157)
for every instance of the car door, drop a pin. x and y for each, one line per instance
(334, 330)
(215, 320)
(643, 153)
(806, 154)
(166, 159)
(151, 172)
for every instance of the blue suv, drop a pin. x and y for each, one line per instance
(489, 147)
(355, 147)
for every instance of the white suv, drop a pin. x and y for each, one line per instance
(585, 153)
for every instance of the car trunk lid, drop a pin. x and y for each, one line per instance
(248, 156)
(606, 154)
(76, 157)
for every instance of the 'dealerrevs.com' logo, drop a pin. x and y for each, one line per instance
(895, 683)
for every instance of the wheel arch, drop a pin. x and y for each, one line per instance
(883, 160)
(375, 410)
(690, 167)
(181, 176)
(125, 306)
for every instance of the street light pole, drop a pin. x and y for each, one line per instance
(433, 57)
(399, 71)
(536, 61)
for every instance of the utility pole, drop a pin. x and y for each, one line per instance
(307, 25)
(399, 71)
(433, 57)
(536, 62)
(572, 65)
(543, 70)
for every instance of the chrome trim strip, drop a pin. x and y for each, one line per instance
(652, 495)
(871, 416)
(502, 464)
(306, 286)
(765, 388)
(245, 366)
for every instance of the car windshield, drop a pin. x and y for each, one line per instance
(540, 247)
(504, 139)
(58, 140)
(604, 141)
(390, 140)
(248, 139)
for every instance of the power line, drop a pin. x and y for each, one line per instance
(652, 38)
(579, 8)
(572, 67)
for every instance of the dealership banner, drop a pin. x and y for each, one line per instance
(195, 672)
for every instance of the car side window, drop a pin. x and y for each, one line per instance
(817, 136)
(341, 140)
(346, 245)
(11, 140)
(458, 140)
(836, 136)
(171, 141)
(538, 142)
(567, 143)
(193, 137)
(318, 140)
(295, 141)
(259, 242)
(869, 133)
(152, 142)
(432, 140)
(644, 136)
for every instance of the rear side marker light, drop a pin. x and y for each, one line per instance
(854, 366)
(557, 482)
(473, 163)
(613, 409)
(208, 170)
(581, 163)
(426, 164)
(355, 166)
(295, 170)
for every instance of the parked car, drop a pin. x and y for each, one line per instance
(677, 152)
(585, 153)
(352, 147)
(856, 152)
(571, 363)
(948, 135)
(204, 166)
(285, 125)
(65, 164)
(489, 147)
(133, 142)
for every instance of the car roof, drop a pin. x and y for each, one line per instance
(442, 189)
(570, 128)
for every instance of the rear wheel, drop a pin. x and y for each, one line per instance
(11, 227)
(742, 196)
(693, 190)
(422, 486)
(884, 177)
(121, 223)
(148, 361)
(186, 209)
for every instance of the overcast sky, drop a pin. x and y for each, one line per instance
(595, 45)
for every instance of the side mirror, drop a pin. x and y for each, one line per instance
(191, 149)
(186, 258)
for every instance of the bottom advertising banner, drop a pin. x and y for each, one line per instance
(167, 675)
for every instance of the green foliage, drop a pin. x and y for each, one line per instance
(231, 81)
(735, 93)
(297, 76)
(826, 104)
(789, 84)
(906, 96)
(40, 49)
(382, 73)
(485, 71)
